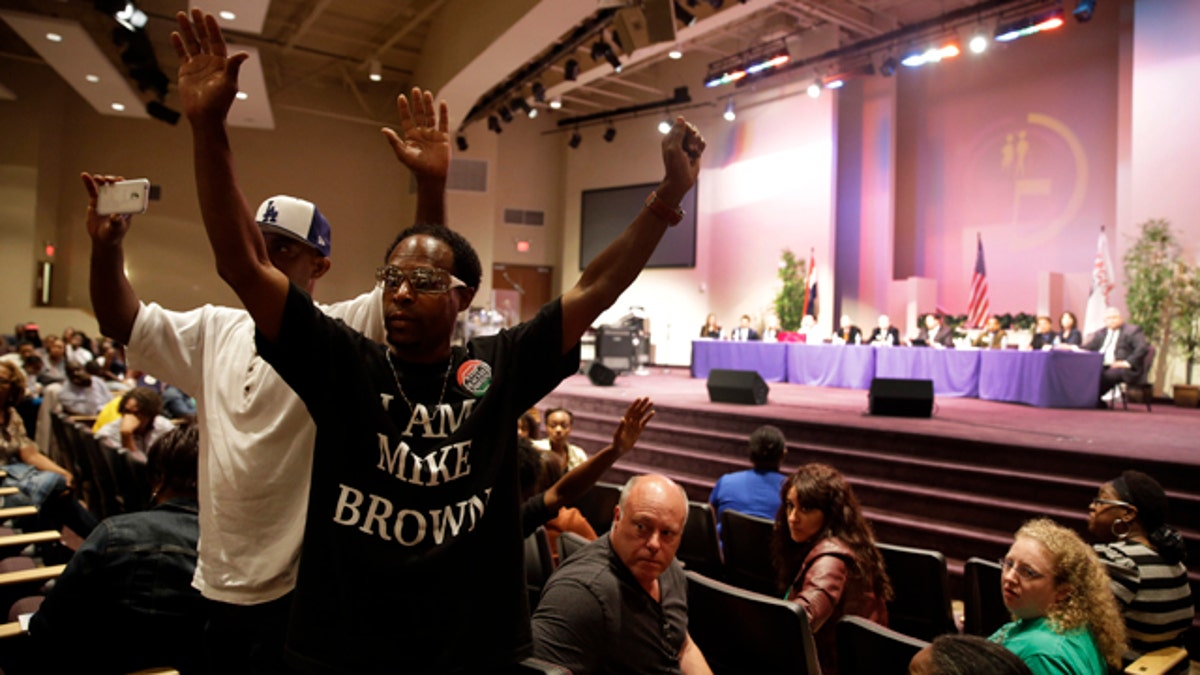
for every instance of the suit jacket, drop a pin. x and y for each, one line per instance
(850, 336)
(943, 337)
(996, 341)
(1042, 340)
(1131, 345)
(736, 334)
(892, 331)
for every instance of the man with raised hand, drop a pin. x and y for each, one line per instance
(412, 556)
(256, 435)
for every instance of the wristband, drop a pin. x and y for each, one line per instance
(672, 215)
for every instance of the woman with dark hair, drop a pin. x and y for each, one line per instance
(754, 491)
(824, 551)
(1068, 333)
(711, 329)
(1144, 559)
(141, 423)
(954, 654)
(34, 474)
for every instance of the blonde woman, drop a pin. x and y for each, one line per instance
(1066, 620)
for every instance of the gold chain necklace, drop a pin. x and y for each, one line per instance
(445, 379)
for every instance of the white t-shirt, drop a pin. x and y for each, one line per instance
(575, 454)
(256, 440)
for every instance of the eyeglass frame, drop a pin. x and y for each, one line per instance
(1024, 572)
(1112, 502)
(382, 270)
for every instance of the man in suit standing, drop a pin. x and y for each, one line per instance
(744, 332)
(1124, 348)
(936, 333)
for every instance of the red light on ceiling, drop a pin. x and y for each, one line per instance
(49, 250)
(522, 246)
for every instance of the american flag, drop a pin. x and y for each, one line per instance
(977, 308)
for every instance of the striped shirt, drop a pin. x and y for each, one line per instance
(1154, 596)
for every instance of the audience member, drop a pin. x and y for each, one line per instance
(432, 457)
(559, 422)
(847, 333)
(824, 552)
(743, 333)
(141, 423)
(82, 394)
(885, 333)
(993, 335)
(935, 332)
(954, 654)
(711, 329)
(754, 491)
(79, 347)
(1065, 617)
(528, 426)
(619, 605)
(54, 361)
(1068, 333)
(24, 350)
(1144, 559)
(1043, 334)
(126, 601)
(1124, 347)
(35, 475)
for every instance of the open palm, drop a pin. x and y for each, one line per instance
(424, 142)
(635, 419)
(208, 77)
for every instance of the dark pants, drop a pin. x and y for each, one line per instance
(247, 639)
(1111, 377)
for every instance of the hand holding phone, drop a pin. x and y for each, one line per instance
(123, 197)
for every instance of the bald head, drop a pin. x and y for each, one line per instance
(1113, 318)
(647, 526)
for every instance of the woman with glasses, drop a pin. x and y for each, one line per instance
(34, 474)
(824, 551)
(1144, 559)
(1065, 618)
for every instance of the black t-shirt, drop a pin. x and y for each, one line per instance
(412, 557)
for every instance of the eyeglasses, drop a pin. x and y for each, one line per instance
(1025, 572)
(1112, 502)
(420, 279)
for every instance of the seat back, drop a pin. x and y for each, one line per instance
(568, 544)
(746, 543)
(698, 548)
(921, 608)
(741, 631)
(597, 505)
(538, 564)
(983, 604)
(866, 647)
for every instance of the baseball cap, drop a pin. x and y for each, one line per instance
(295, 218)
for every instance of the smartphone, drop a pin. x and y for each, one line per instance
(127, 196)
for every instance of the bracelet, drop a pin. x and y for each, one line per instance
(671, 214)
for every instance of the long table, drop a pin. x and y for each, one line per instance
(1045, 379)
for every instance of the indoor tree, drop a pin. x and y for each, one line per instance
(789, 304)
(1150, 267)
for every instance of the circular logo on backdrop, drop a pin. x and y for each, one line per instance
(475, 376)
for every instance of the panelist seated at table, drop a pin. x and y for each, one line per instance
(1124, 348)
(1068, 333)
(771, 331)
(711, 329)
(1043, 334)
(992, 337)
(935, 333)
(885, 333)
(847, 333)
(744, 333)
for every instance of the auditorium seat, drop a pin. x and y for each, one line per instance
(866, 647)
(568, 544)
(597, 505)
(698, 548)
(1144, 388)
(746, 542)
(741, 631)
(921, 606)
(983, 604)
(13, 544)
(538, 564)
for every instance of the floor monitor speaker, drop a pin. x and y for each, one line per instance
(736, 386)
(601, 375)
(900, 398)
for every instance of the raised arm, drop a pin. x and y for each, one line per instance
(113, 297)
(424, 147)
(207, 85)
(581, 479)
(611, 272)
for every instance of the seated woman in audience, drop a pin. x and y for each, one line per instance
(1144, 559)
(126, 601)
(1066, 620)
(824, 551)
(754, 491)
(711, 329)
(559, 422)
(529, 426)
(141, 423)
(954, 654)
(35, 475)
(1068, 333)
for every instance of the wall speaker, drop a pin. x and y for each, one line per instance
(601, 375)
(736, 386)
(900, 398)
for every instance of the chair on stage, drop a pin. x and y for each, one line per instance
(921, 606)
(741, 631)
(597, 505)
(746, 542)
(983, 605)
(1121, 391)
(698, 548)
(866, 647)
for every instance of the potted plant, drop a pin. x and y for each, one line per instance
(1150, 266)
(789, 303)
(1186, 325)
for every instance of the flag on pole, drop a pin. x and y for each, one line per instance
(977, 308)
(810, 285)
(1102, 275)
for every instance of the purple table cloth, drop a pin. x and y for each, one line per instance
(1046, 379)
(768, 359)
(846, 366)
(954, 373)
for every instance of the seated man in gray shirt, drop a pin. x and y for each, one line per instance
(620, 603)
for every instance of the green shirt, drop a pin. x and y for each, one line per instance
(1048, 652)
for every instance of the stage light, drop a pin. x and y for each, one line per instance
(533, 113)
(575, 140)
(539, 92)
(92, 78)
(1083, 10)
(376, 72)
(119, 107)
(598, 49)
(571, 70)
(931, 55)
(610, 133)
(729, 114)
(978, 43)
(131, 17)
(494, 124)
(836, 83)
(505, 114)
(241, 96)
(555, 103)
(616, 40)
(888, 67)
(227, 15)
(664, 127)
(461, 142)
(1030, 25)
(54, 37)
(161, 112)
(520, 104)
(675, 54)
(814, 90)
